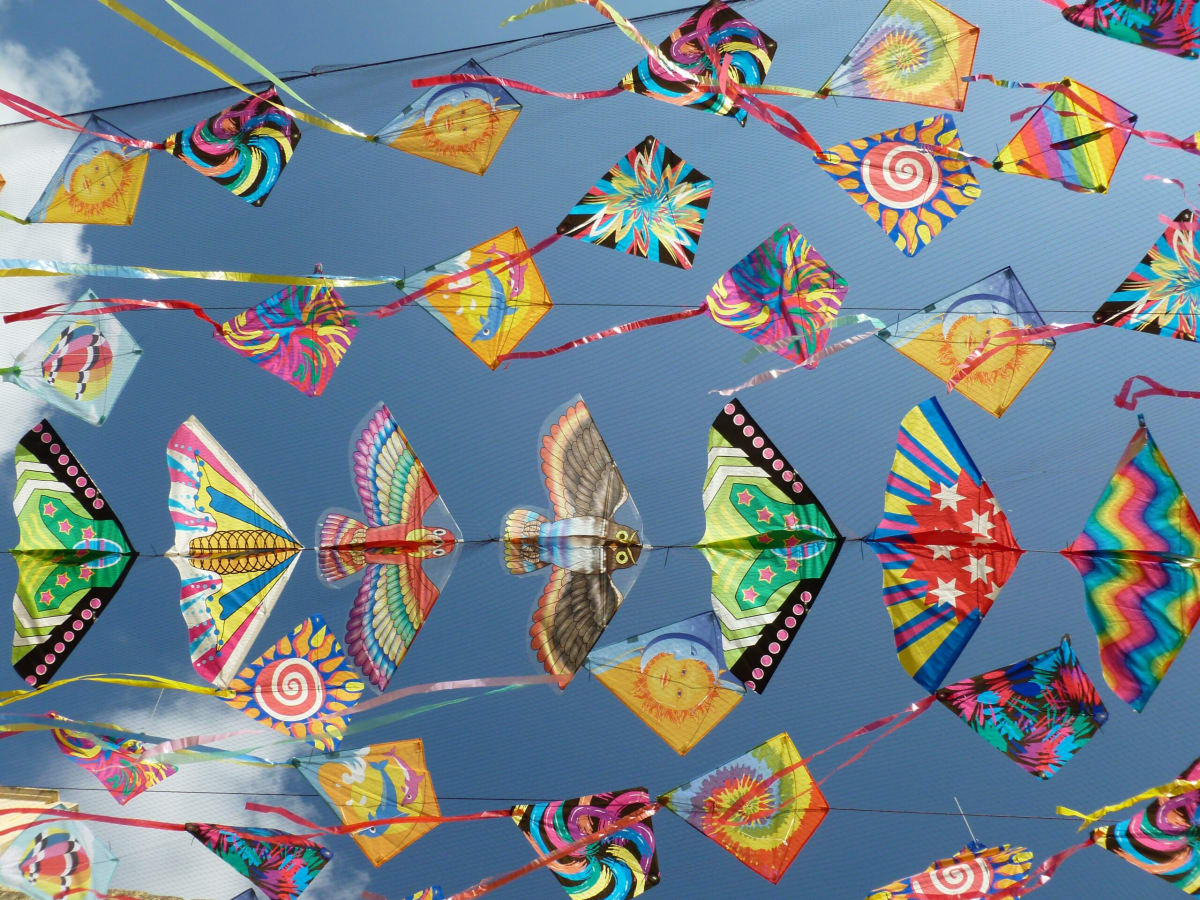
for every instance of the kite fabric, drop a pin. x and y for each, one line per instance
(673, 678)
(116, 763)
(280, 870)
(72, 556)
(944, 543)
(382, 781)
(762, 807)
(1161, 295)
(303, 687)
(429, 893)
(651, 203)
(910, 192)
(621, 865)
(592, 541)
(405, 549)
(916, 51)
(768, 540)
(1169, 26)
(939, 337)
(98, 182)
(1137, 555)
(458, 125)
(1038, 712)
(233, 551)
(50, 860)
(79, 364)
(715, 29)
(1076, 137)
(973, 872)
(299, 334)
(243, 148)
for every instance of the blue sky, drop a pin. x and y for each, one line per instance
(365, 209)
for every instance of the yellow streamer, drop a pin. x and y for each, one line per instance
(55, 268)
(1162, 792)
(146, 681)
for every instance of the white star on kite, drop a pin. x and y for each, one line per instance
(978, 569)
(946, 592)
(947, 496)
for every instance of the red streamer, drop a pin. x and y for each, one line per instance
(352, 828)
(47, 117)
(608, 332)
(115, 305)
(1006, 339)
(1043, 873)
(1127, 400)
(465, 78)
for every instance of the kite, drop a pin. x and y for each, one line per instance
(673, 678)
(1076, 137)
(916, 51)
(299, 334)
(97, 183)
(910, 191)
(280, 870)
(71, 559)
(458, 125)
(233, 551)
(243, 148)
(429, 893)
(586, 545)
(1169, 26)
(382, 781)
(650, 204)
(762, 807)
(769, 543)
(79, 364)
(1038, 712)
(1137, 555)
(713, 36)
(404, 549)
(944, 544)
(974, 871)
(621, 865)
(1161, 295)
(939, 337)
(116, 763)
(49, 860)
(303, 686)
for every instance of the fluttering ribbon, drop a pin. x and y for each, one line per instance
(24, 268)
(838, 322)
(1161, 792)
(112, 305)
(608, 332)
(1127, 398)
(126, 679)
(39, 113)
(1005, 340)
(1042, 873)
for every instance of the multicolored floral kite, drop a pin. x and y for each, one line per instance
(116, 762)
(1169, 26)
(280, 870)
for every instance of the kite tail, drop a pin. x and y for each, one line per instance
(340, 553)
(521, 530)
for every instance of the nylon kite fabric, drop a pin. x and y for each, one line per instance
(116, 762)
(382, 781)
(673, 678)
(1169, 26)
(233, 551)
(651, 203)
(944, 543)
(1162, 294)
(458, 125)
(1137, 555)
(762, 807)
(299, 334)
(714, 28)
(768, 540)
(912, 193)
(50, 860)
(621, 865)
(1038, 712)
(974, 872)
(72, 556)
(243, 148)
(280, 871)
(916, 51)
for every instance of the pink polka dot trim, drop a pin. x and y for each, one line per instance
(766, 660)
(788, 475)
(806, 597)
(758, 673)
(777, 465)
(781, 634)
(94, 603)
(773, 647)
(72, 470)
(62, 460)
(729, 408)
(739, 419)
(29, 679)
(768, 453)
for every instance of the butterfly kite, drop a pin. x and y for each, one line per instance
(50, 859)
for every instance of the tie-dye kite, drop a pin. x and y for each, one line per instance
(1161, 295)
(280, 870)
(458, 125)
(50, 860)
(1076, 137)
(116, 762)
(769, 543)
(762, 807)
(233, 550)
(243, 148)
(382, 781)
(916, 51)
(944, 543)
(1038, 712)
(621, 865)
(303, 687)
(650, 203)
(79, 364)
(1169, 26)
(940, 336)
(909, 191)
(72, 556)
(674, 678)
(717, 29)
(1138, 555)
(974, 872)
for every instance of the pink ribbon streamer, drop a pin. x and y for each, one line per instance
(466, 78)
(316, 830)
(1043, 873)
(608, 332)
(1007, 339)
(116, 305)
(47, 117)
(1127, 400)
(810, 363)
